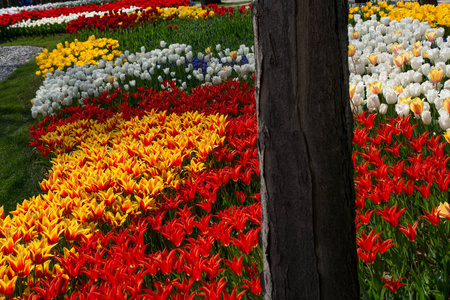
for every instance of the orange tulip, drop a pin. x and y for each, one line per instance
(145, 203)
(52, 234)
(43, 270)
(355, 35)
(97, 209)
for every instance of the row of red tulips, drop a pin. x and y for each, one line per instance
(9, 19)
(113, 21)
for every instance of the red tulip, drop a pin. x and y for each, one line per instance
(392, 215)
(410, 232)
(433, 217)
(393, 285)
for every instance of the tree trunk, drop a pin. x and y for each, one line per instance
(305, 148)
(206, 2)
(431, 2)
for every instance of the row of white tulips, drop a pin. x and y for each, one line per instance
(17, 9)
(174, 62)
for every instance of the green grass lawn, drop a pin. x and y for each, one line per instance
(20, 167)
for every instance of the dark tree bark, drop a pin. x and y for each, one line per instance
(206, 2)
(431, 2)
(305, 147)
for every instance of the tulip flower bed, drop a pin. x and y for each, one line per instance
(113, 21)
(76, 53)
(228, 27)
(153, 182)
(401, 179)
(399, 90)
(165, 68)
(400, 67)
(16, 9)
(110, 6)
(55, 20)
(162, 194)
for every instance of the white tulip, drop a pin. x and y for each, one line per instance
(418, 77)
(431, 96)
(444, 120)
(373, 102)
(426, 68)
(390, 95)
(402, 109)
(426, 117)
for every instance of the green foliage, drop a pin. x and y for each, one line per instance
(223, 30)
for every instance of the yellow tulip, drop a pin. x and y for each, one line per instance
(446, 104)
(431, 35)
(398, 60)
(7, 285)
(406, 56)
(416, 105)
(436, 75)
(351, 50)
(373, 58)
(404, 100)
(355, 35)
(444, 208)
(352, 89)
(40, 251)
(395, 48)
(375, 87)
(415, 52)
(20, 263)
